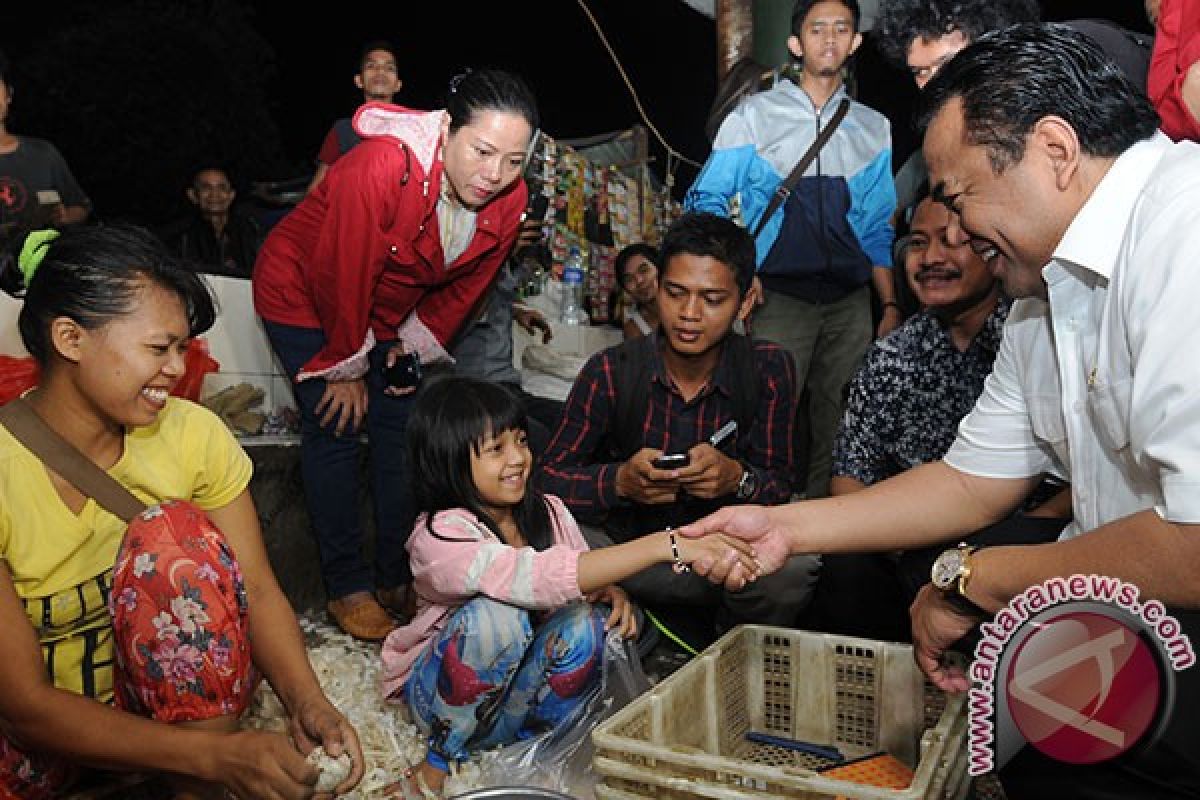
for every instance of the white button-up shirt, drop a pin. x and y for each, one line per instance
(1101, 385)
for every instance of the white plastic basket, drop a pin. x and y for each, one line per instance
(686, 737)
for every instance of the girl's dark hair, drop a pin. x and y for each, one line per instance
(489, 90)
(449, 423)
(90, 274)
(646, 251)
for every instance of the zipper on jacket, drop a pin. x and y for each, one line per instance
(821, 206)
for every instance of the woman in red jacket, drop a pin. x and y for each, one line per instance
(396, 246)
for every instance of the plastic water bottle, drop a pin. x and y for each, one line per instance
(572, 312)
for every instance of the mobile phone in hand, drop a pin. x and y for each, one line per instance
(537, 207)
(672, 461)
(404, 373)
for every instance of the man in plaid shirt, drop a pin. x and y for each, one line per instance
(694, 379)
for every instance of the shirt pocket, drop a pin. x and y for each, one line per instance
(1110, 406)
(1046, 419)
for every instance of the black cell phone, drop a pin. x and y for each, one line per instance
(537, 207)
(405, 373)
(672, 461)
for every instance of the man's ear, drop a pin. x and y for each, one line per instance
(794, 47)
(855, 44)
(358, 81)
(1056, 140)
(746, 306)
(67, 337)
(193, 197)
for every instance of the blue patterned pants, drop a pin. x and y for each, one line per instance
(498, 673)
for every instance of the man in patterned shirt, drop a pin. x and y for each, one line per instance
(903, 409)
(691, 385)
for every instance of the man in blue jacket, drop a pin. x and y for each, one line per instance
(832, 237)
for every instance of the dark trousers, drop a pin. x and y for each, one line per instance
(330, 466)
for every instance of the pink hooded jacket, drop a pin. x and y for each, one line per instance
(446, 574)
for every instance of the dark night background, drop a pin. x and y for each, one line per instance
(136, 93)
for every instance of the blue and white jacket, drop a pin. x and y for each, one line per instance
(824, 240)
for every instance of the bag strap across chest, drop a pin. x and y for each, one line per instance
(61, 456)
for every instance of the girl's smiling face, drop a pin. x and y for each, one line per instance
(500, 470)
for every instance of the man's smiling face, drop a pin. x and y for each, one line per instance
(1015, 218)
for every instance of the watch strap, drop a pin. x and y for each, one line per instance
(963, 603)
(747, 479)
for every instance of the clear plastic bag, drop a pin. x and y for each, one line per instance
(561, 759)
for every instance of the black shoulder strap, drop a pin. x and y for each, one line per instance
(788, 184)
(744, 372)
(632, 365)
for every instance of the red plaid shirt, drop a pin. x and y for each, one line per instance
(575, 465)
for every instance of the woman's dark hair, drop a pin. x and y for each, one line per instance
(450, 421)
(700, 233)
(91, 274)
(1009, 79)
(903, 22)
(489, 90)
(626, 255)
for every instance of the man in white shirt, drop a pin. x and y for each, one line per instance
(1051, 159)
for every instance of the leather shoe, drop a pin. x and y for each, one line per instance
(400, 601)
(361, 616)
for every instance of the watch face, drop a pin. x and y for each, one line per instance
(947, 568)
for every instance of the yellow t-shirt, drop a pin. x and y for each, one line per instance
(62, 563)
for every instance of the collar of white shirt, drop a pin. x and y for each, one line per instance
(1092, 241)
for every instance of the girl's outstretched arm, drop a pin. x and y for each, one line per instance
(615, 563)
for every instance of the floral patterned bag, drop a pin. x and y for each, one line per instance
(175, 576)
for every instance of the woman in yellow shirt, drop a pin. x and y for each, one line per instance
(198, 614)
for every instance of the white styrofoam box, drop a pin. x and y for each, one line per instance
(10, 338)
(237, 339)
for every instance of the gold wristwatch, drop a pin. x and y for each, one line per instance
(950, 574)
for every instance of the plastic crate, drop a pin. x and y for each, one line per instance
(686, 737)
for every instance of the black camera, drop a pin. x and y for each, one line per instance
(405, 371)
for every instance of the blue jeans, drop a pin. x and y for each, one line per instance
(330, 467)
(489, 678)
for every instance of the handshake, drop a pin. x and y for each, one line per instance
(754, 545)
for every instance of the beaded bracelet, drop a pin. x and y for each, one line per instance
(679, 565)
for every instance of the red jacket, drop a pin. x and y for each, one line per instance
(362, 252)
(1176, 47)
